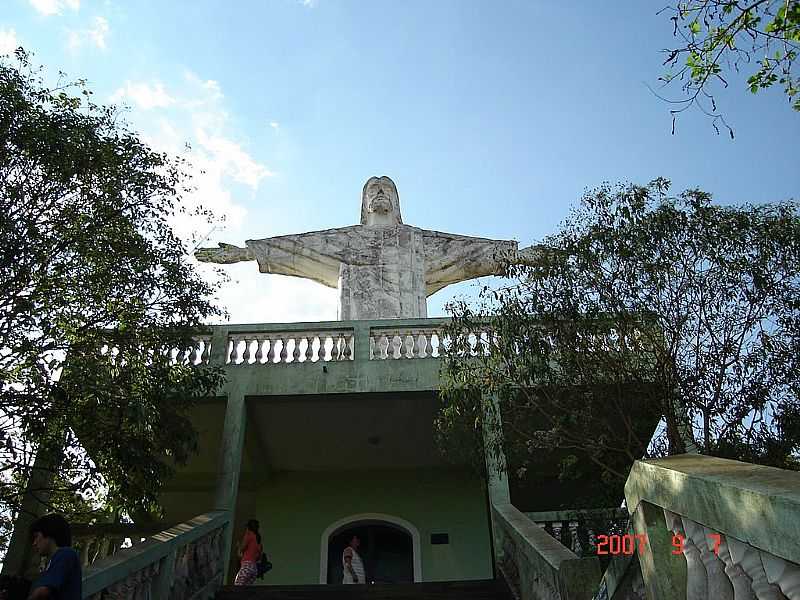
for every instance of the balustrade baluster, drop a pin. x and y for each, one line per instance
(396, 343)
(259, 350)
(696, 576)
(740, 582)
(206, 354)
(422, 344)
(719, 586)
(309, 347)
(783, 574)
(284, 348)
(296, 351)
(575, 543)
(372, 347)
(272, 354)
(557, 525)
(348, 347)
(749, 559)
(436, 349)
(384, 346)
(323, 347)
(408, 345)
(246, 353)
(592, 539)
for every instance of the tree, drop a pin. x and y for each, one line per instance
(644, 305)
(97, 295)
(716, 37)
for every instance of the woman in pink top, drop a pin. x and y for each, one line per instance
(249, 554)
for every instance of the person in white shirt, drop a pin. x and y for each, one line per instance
(352, 563)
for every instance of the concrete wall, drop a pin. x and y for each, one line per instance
(296, 508)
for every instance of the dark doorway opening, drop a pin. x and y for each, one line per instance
(387, 552)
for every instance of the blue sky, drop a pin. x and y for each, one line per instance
(491, 118)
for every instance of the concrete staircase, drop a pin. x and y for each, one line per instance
(488, 589)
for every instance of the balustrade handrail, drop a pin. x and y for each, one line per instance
(301, 326)
(759, 501)
(532, 560)
(734, 523)
(108, 571)
(577, 514)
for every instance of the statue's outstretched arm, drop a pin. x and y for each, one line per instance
(316, 255)
(224, 255)
(533, 255)
(450, 258)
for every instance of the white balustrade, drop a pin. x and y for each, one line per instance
(396, 343)
(199, 353)
(289, 347)
(725, 568)
(782, 573)
(404, 343)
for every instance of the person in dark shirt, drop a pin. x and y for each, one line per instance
(61, 580)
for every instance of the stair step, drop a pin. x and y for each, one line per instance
(487, 589)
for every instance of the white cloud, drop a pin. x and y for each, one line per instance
(54, 7)
(46, 7)
(144, 95)
(192, 109)
(308, 3)
(233, 160)
(274, 124)
(8, 41)
(96, 34)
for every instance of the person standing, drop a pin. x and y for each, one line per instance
(250, 550)
(61, 580)
(352, 563)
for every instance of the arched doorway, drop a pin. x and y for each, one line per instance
(389, 549)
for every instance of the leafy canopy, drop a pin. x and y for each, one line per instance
(718, 37)
(644, 306)
(96, 293)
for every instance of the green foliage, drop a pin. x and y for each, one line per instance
(643, 306)
(97, 291)
(724, 35)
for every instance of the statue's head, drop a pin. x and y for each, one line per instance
(380, 203)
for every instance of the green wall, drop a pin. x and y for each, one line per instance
(295, 508)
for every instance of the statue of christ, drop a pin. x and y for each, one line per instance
(382, 268)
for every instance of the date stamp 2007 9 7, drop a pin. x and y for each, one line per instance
(627, 544)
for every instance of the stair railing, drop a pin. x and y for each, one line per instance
(716, 528)
(184, 562)
(534, 564)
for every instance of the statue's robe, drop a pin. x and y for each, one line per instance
(382, 272)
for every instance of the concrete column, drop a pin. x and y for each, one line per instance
(361, 341)
(219, 347)
(19, 559)
(496, 472)
(230, 466)
(663, 572)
